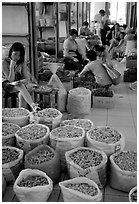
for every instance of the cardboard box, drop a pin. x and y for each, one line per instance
(103, 102)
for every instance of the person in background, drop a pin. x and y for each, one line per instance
(115, 36)
(96, 67)
(84, 30)
(103, 54)
(102, 19)
(73, 57)
(120, 46)
(14, 68)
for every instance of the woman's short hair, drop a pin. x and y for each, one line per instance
(17, 46)
(91, 55)
(85, 23)
(99, 48)
(73, 32)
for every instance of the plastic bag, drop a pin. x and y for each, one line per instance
(34, 194)
(70, 195)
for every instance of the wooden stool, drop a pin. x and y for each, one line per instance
(13, 96)
(46, 97)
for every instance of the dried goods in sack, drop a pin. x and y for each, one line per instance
(33, 185)
(87, 162)
(80, 189)
(12, 162)
(3, 185)
(79, 101)
(8, 133)
(50, 117)
(133, 194)
(65, 138)
(106, 139)
(32, 135)
(123, 174)
(86, 124)
(19, 116)
(45, 159)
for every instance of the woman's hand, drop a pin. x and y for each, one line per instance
(12, 63)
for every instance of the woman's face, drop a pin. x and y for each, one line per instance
(74, 36)
(15, 56)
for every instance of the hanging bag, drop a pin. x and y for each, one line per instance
(113, 74)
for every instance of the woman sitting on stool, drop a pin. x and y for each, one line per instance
(73, 58)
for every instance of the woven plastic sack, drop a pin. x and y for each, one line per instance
(50, 167)
(28, 144)
(108, 148)
(70, 195)
(131, 198)
(120, 179)
(61, 143)
(79, 101)
(34, 194)
(19, 116)
(8, 134)
(95, 173)
(50, 120)
(11, 169)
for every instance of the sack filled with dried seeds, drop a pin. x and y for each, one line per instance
(12, 162)
(133, 194)
(33, 185)
(106, 139)
(19, 116)
(80, 189)
(65, 138)
(79, 101)
(123, 173)
(87, 162)
(45, 159)
(50, 117)
(32, 135)
(8, 133)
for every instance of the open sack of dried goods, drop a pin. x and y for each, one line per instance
(79, 101)
(32, 135)
(3, 185)
(80, 189)
(45, 159)
(33, 185)
(19, 116)
(133, 194)
(123, 174)
(106, 139)
(65, 138)
(86, 124)
(49, 116)
(12, 162)
(87, 162)
(8, 133)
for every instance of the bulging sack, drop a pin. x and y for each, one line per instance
(91, 194)
(37, 193)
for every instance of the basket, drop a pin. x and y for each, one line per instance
(11, 169)
(108, 148)
(70, 195)
(121, 179)
(95, 173)
(130, 193)
(51, 122)
(20, 120)
(50, 167)
(63, 143)
(28, 144)
(34, 194)
(9, 139)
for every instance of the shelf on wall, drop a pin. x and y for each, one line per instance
(15, 35)
(13, 3)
